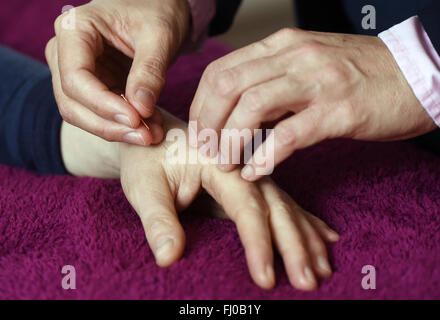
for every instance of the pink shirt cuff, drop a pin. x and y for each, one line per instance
(202, 12)
(418, 60)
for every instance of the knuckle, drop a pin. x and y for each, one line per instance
(285, 135)
(58, 23)
(280, 38)
(286, 33)
(243, 214)
(152, 66)
(251, 100)
(273, 42)
(67, 82)
(264, 45)
(48, 51)
(348, 118)
(211, 72)
(334, 74)
(66, 115)
(282, 208)
(105, 133)
(212, 69)
(312, 49)
(298, 249)
(159, 225)
(224, 82)
(318, 246)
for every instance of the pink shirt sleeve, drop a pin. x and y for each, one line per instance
(203, 12)
(418, 60)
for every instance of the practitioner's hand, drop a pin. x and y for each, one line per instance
(337, 85)
(91, 63)
(158, 189)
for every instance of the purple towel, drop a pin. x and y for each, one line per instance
(381, 198)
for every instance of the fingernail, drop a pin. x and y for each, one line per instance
(247, 172)
(135, 138)
(333, 235)
(145, 97)
(323, 264)
(267, 276)
(124, 120)
(307, 278)
(163, 247)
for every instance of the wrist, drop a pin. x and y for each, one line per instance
(85, 154)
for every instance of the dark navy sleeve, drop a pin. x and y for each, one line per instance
(29, 119)
(224, 17)
(430, 18)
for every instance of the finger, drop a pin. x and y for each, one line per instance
(151, 197)
(264, 48)
(76, 114)
(155, 128)
(262, 103)
(316, 248)
(289, 239)
(157, 117)
(243, 203)
(77, 52)
(297, 132)
(250, 52)
(110, 131)
(225, 88)
(322, 228)
(148, 71)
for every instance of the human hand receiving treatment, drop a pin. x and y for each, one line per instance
(337, 85)
(112, 40)
(158, 189)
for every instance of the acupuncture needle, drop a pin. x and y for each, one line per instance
(143, 121)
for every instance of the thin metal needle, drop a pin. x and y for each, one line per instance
(143, 121)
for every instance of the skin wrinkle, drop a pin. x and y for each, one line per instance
(332, 60)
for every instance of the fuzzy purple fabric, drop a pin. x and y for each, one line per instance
(381, 198)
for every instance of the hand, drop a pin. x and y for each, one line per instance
(337, 85)
(92, 64)
(158, 189)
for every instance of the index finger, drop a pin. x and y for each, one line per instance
(263, 48)
(77, 52)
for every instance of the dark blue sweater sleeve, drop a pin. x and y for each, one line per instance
(29, 119)
(224, 17)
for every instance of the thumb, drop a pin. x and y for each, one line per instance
(147, 75)
(151, 197)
